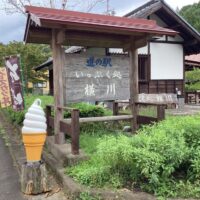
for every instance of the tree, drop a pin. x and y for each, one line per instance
(192, 80)
(31, 55)
(191, 13)
(12, 6)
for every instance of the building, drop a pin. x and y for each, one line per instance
(162, 61)
(192, 62)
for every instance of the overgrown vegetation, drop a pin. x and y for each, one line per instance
(87, 196)
(192, 80)
(31, 55)
(86, 110)
(17, 117)
(163, 159)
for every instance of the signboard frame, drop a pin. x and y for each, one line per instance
(95, 78)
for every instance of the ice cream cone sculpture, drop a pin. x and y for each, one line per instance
(34, 131)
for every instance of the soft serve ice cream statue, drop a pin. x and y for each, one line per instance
(34, 131)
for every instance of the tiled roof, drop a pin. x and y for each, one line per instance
(173, 20)
(41, 15)
(193, 58)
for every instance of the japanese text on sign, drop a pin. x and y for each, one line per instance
(94, 78)
(104, 62)
(5, 99)
(13, 68)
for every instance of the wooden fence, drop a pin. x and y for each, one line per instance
(192, 97)
(71, 126)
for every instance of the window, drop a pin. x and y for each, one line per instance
(143, 67)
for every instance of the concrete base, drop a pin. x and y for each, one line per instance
(62, 153)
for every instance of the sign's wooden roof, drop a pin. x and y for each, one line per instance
(41, 21)
(173, 20)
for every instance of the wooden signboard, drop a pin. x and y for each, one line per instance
(95, 78)
(158, 98)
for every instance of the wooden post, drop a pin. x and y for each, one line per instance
(75, 131)
(58, 64)
(160, 112)
(115, 108)
(133, 53)
(34, 178)
(48, 114)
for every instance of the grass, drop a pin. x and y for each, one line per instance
(46, 100)
(150, 111)
(93, 133)
(162, 159)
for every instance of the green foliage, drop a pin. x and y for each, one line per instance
(163, 159)
(17, 117)
(192, 80)
(31, 56)
(192, 14)
(92, 133)
(87, 196)
(192, 87)
(87, 110)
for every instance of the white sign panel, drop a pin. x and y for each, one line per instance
(166, 61)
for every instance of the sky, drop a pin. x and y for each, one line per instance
(12, 26)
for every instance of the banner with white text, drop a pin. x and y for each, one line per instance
(13, 69)
(5, 98)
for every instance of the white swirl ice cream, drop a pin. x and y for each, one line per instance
(35, 120)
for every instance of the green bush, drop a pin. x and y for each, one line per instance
(160, 159)
(192, 80)
(86, 110)
(17, 117)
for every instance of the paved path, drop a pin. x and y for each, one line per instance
(191, 109)
(9, 179)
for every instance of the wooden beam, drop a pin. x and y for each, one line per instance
(161, 112)
(94, 39)
(138, 42)
(134, 90)
(84, 38)
(58, 64)
(190, 43)
(75, 132)
(100, 119)
(48, 114)
(61, 37)
(146, 119)
(141, 42)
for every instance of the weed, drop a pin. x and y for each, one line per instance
(163, 159)
(87, 196)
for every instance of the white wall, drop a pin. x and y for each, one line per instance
(166, 61)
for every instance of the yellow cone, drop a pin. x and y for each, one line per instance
(33, 145)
